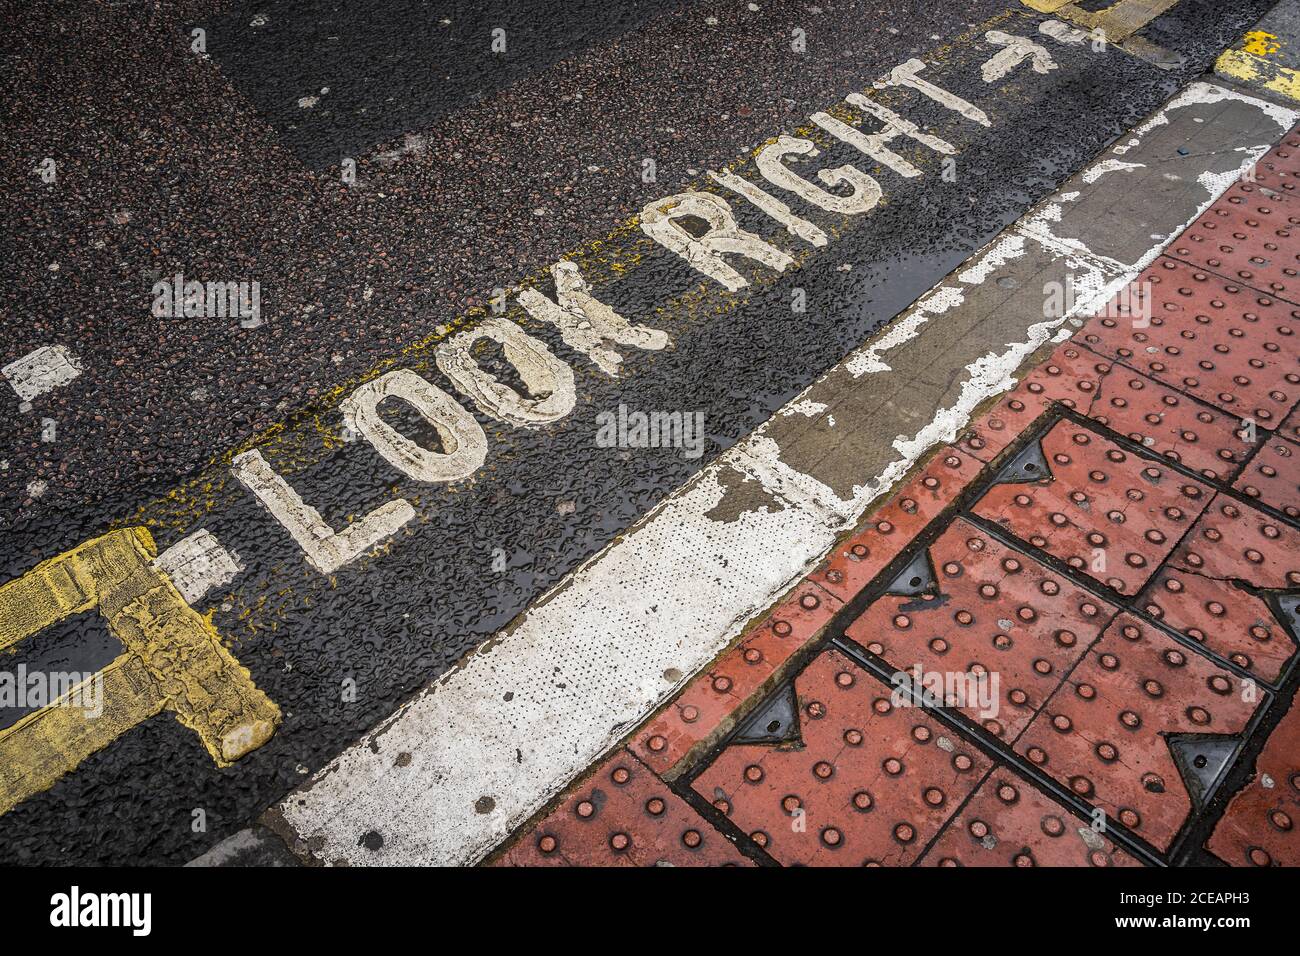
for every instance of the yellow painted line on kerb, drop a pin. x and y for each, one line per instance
(1252, 63)
(173, 660)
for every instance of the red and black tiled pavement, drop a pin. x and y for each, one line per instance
(1111, 554)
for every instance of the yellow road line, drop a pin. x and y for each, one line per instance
(1253, 69)
(50, 742)
(1118, 21)
(173, 659)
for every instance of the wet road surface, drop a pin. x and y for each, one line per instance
(229, 166)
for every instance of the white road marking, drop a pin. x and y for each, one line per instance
(325, 549)
(704, 253)
(1096, 277)
(1062, 33)
(545, 374)
(769, 204)
(874, 144)
(461, 434)
(908, 74)
(521, 717)
(1109, 166)
(808, 408)
(197, 564)
(1018, 50)
(41, 371)
(585, 324)
(864, 191)
(540, 703)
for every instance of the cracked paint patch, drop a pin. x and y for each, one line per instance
(43, 370)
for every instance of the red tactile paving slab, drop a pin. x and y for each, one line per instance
(854, 562)
(1165, 421)
(994, 613)
(992, 432)
(1103, 734)
(1010, 823)
(1273, 476)
(622, 816)
(1279, 168)
(711, 699)
(1105, 511)
(1248, 237)
(1210, 337)
(1194, 593)
(1290, 427)
(872, 783)
(1259, 828)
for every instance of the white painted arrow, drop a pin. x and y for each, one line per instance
(1017, 50)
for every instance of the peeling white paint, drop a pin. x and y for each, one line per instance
(986, 376)
(808, 408)
(1062, 33)
(197, 564)
(1002, 251)
(867, 359)
(42, 370)
(1097, 170)
(1210, 93)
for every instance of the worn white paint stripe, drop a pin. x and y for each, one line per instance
(488, 744)
(590, 660)
(41, 371)
(197, 564)
(1062, 33)
(1108, 166)
(1098, 277)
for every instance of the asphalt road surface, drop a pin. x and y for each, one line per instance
(392, 176)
